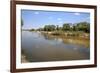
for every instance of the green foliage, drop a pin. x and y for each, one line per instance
(32, 29)
(49, 27)
(22, 23)
(66, 27)
(57, 27)
(83, 26)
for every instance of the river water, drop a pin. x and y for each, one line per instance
(38, 47)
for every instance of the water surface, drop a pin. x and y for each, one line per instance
(38, 47)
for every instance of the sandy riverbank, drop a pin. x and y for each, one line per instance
(23, 59)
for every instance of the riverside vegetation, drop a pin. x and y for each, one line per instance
(81, 29)
(78, 34)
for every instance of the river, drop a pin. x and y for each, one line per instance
(38, 47)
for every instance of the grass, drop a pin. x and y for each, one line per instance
(67, 33)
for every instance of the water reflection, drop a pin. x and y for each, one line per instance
(40, 47)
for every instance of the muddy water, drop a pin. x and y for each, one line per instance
(38, 47)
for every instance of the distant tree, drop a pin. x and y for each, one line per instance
(32, 29)
(22, 23)
(57, 27)
(75, 28)
(46, 28)
(83, 26)
(49, 27)
(40, 29)
(66, 27)
(60, 28)
(52, 27)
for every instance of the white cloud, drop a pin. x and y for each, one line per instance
(76, 13)
(59, 19)
(36, 12)
(60, 22)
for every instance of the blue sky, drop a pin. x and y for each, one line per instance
(36, 18)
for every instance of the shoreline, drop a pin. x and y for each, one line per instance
(23, 59)
(67, 34)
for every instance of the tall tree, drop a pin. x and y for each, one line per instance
(22, 23)
(66, 26)
(57, 27)
(49, 27)
(83, 26)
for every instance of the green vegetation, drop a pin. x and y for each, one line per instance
(22, 22)
(81, 29)
(66, 27)
(32, 29)
(82, 26)
(49, 27)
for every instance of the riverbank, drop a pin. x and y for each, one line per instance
(69, 37)
(23, 59)
(67, 34)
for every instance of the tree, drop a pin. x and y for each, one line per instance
(83, 26)
(32, 29)
(49, 27)
(40, 29)
(66, 27)
(46, 28)
(22, 22)
(57, 27)
(52, 27)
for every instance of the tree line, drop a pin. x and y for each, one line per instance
(82, 26)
